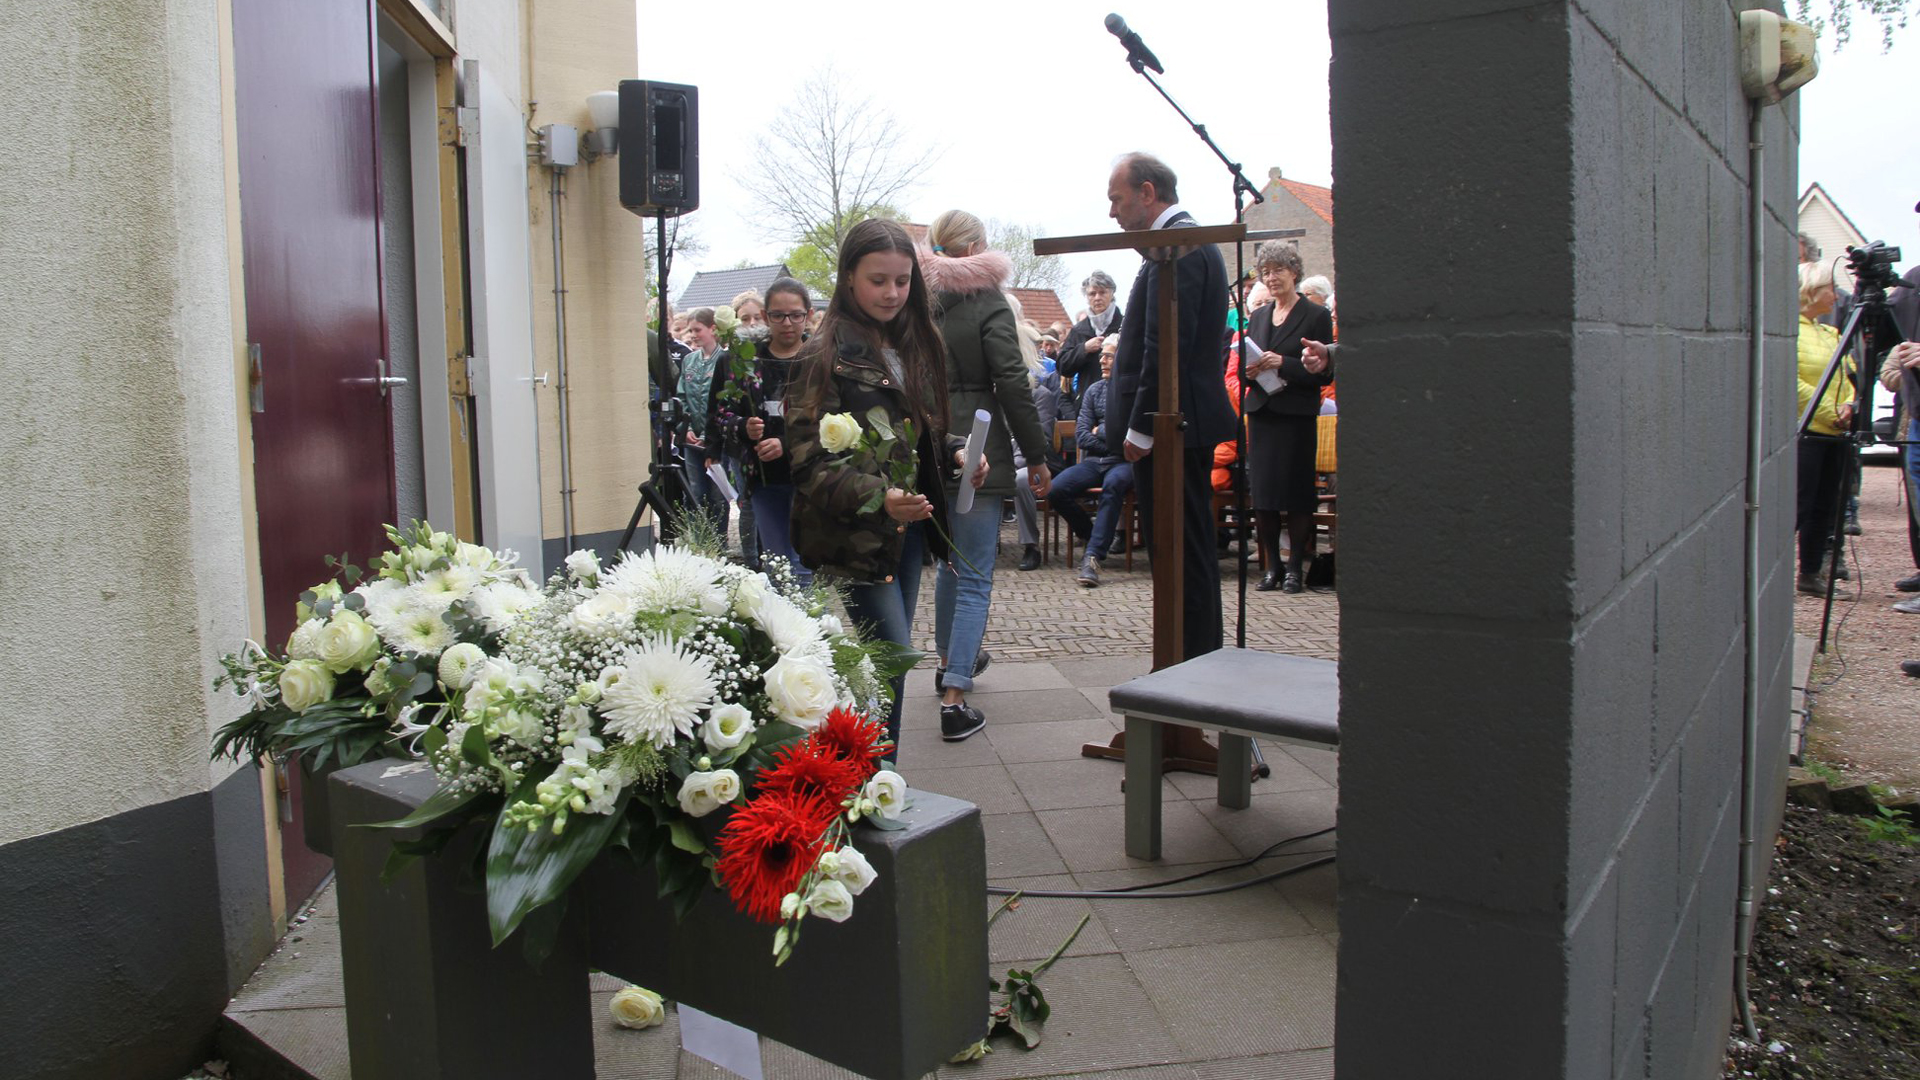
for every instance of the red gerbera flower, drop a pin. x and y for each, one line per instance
(850, 736)
(767, 846)
(803, 768)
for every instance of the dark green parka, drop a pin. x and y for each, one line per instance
(985, 368)
(830, 531)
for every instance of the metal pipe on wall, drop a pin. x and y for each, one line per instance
(556, 187)
(1756, 458)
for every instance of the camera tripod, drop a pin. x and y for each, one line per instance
(1871, 325)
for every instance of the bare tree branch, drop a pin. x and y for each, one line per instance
(829, 160)
(1892, 15)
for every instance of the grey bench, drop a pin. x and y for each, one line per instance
(1239, 693)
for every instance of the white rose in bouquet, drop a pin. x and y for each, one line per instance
(637, 1008)
(839, 432)
(888, 792)
(748, 593)
(704, 792)
(831, 901)
(458, 664)
(725, 319)
(605, 612)
(849, 868)
(583, 566)
(801, 689)
(726, 726)
(347, 643)
(305, 642)
(304, 684)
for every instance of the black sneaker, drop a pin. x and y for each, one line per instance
(980, 661)
(959, 721)
(1908, 584)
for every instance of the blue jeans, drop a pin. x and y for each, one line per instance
(1114, 481)
(773, 515)
(884, 610)
(961, 593)
(701, 489)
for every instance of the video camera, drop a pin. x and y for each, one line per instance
(1872, 267)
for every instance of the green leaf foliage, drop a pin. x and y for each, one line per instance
(441, 803)
(526, 869)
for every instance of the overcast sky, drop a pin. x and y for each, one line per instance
(1023, 106)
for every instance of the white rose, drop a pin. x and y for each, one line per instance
(347, 643)
(474, 555)
(831, 901)
(726, 726)
(458, 664)
(801, 688)
(888, 790)
(584, 566)
(603, 613)
(748, 594)
(637, 1008)
(521, 725)
(305, 642)
(830, 625)
(839, 432)
(304, 684)
(725, 319)
(850, 868)
(705, 792)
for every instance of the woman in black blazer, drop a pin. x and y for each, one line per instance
(1283, 417)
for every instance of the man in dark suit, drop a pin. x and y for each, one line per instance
(1141, 195)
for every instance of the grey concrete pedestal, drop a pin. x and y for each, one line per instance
(891, 993)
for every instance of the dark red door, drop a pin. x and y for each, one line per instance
(310, 217)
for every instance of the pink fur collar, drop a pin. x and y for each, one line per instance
(967, 273)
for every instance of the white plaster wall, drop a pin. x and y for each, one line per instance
(122, 566)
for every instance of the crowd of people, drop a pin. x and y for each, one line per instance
(843, 437)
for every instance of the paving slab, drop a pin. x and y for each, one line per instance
(1053, 740)
(1075, 781)
(1302, 1065)
(1245, 914)
(985, 786)
(1273, 816)
(1287, 774)
(1092, 838)
(1017, 846)
(1243, 998)
(1102, 1020)
(1314, 893)
(1036, 926)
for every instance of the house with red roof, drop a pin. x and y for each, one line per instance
(1291, 204)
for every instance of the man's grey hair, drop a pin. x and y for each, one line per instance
(1144, 168)
(1097, 280)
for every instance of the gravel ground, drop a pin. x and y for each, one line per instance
(1865, 718)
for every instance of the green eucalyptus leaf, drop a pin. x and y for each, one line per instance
(421, 683)
(526, 869)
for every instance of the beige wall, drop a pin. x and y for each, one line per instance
(574, 48)
(122, 559)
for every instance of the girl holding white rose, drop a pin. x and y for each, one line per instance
(877, 355)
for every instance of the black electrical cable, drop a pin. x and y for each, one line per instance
(1096, 894)
(1138, 892)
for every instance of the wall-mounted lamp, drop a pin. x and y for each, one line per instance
(604, 109)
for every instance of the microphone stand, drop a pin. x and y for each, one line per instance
(1242, 188)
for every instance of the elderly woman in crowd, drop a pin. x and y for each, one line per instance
(1282, 410)
(1079, 357)
(1821, 453)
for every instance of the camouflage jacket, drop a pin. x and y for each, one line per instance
(830, 533)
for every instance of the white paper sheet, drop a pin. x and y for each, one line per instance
(727, 1045)
(976, 445)
(1270, 381)
(719, 477)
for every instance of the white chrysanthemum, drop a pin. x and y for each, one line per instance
(417, 630)
(605, 612)
(383, 598)
(670, 579)
(459, 663)
(791, 629)
(445, 587)
(305, 642)
(499, 604)
(661, 693)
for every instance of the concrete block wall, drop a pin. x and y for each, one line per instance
(1543, 220)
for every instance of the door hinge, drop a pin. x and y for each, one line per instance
(256, 379)
(460, 376)
(466, 123)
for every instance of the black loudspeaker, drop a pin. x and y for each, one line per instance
(660, 134)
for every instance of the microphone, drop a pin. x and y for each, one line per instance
(1137, 51)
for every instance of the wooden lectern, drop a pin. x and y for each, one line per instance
(1185, 748)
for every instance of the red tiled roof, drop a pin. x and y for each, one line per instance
(1041, 307)
(1317, 199)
